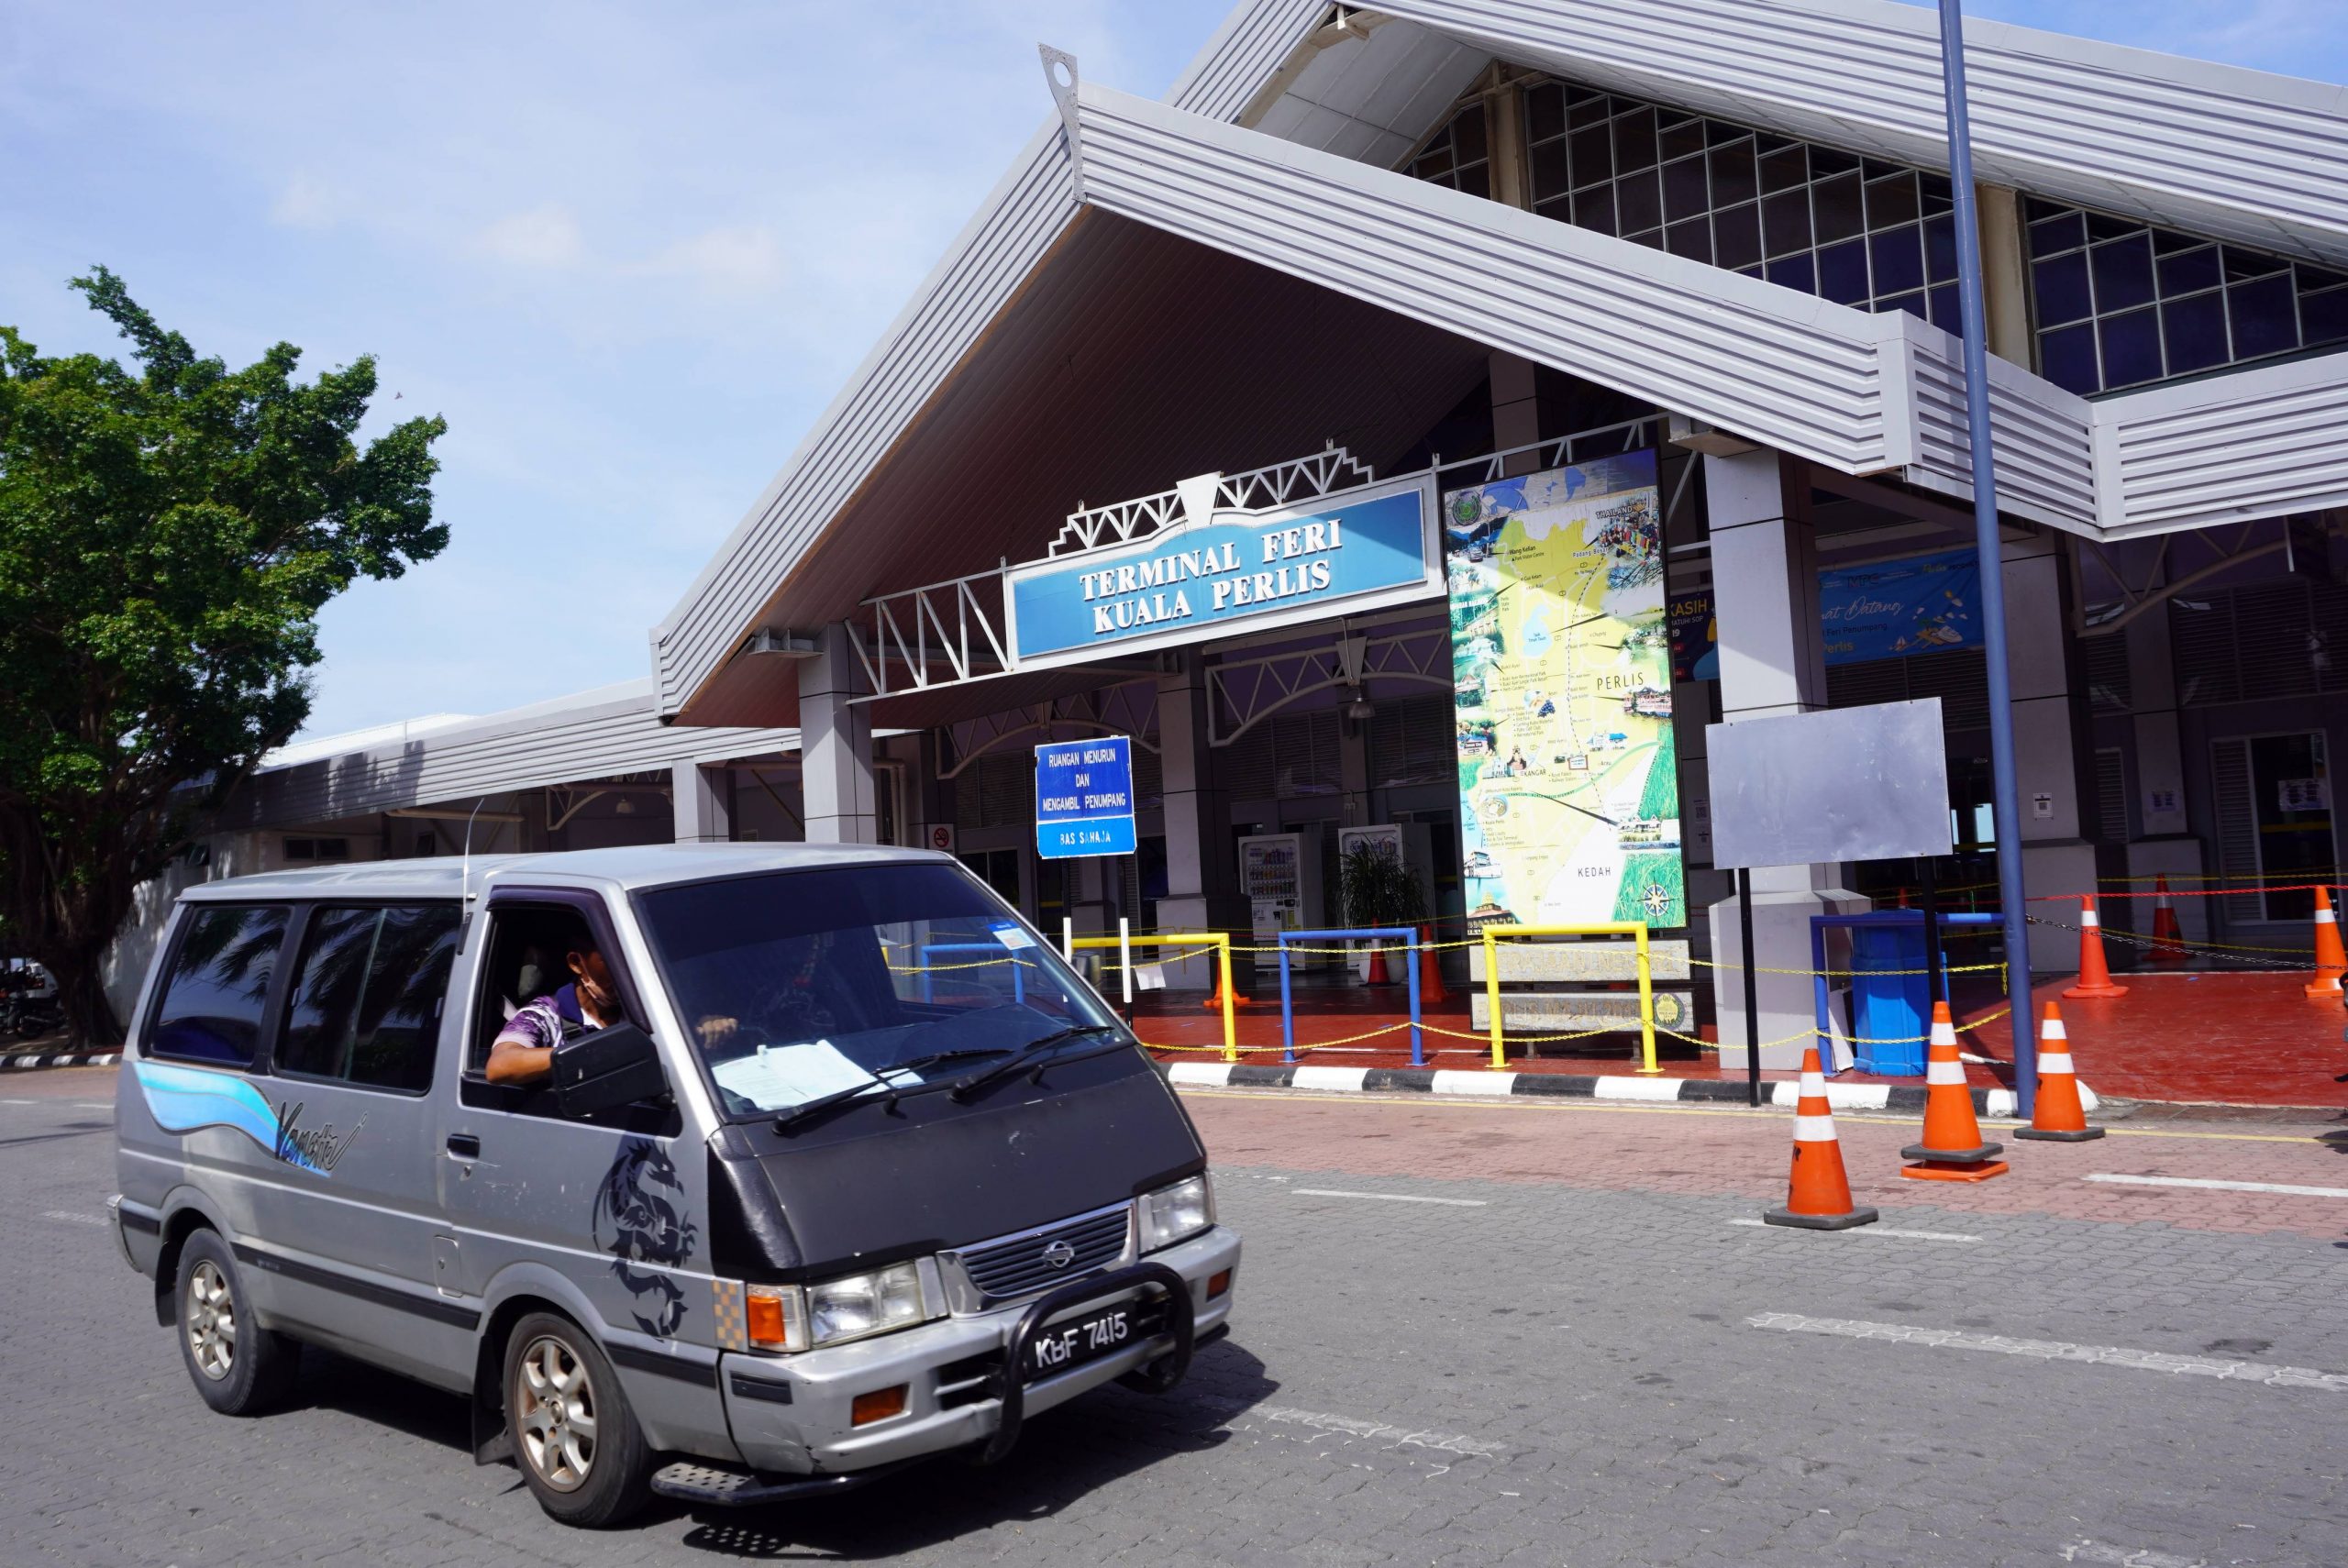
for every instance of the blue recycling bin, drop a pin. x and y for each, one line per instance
(1890, 996)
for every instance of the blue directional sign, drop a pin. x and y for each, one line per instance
(1084, 798)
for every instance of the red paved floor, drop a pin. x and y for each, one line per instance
(2234, 1038)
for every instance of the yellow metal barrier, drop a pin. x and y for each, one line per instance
(1214, 939)
(1638, 928)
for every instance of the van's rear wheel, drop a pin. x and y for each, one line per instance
(580, 1447)
(239, 1367)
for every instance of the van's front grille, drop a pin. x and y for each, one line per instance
(1023, 1266)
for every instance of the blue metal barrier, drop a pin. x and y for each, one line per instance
(1402, 935)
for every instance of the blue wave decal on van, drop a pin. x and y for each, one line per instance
(182, 1099)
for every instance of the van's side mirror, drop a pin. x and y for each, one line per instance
(605, 1070)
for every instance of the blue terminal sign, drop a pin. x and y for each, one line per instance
(1084, 798)
(1234, 570)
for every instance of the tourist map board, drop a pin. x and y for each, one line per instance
(1561, 666)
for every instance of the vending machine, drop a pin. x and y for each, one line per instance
(1279, 875)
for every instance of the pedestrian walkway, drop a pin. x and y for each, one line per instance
(2235, 1038)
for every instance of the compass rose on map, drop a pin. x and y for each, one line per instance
(1658, 899)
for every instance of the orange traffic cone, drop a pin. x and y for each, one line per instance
(1430, 990)
(2057, 1116)
(1952, 1149)
(2095, 975)
(2331, 962)
(2168, 941)
(1818, 1193)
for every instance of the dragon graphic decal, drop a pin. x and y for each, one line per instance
(639, 1220)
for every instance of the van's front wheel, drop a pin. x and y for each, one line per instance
(239, 1367)
(580, 1451)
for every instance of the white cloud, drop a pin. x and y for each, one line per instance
(740, 260)
(543, 236)
(305, 202)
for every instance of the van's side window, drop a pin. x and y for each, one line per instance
(365, 1007)
(211, 1009)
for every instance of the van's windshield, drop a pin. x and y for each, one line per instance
(810, 986)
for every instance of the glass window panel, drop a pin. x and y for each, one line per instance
(1736, 237)
(1468, 134)
(1634, 141)
(2314, 278)
(1825, 160)
(2323, 318)
(1785, 171)
(1638, 201)
(1834, 208)
(322, 1012)
(1912, 304)
(1593, 155)
(2241, 263)
(1693, 239)
(1843, 271)
(2123, 273)
(1933, 190)
(1766, 143)
(1752, 271)
(2059, 288)
(212, 1003)
(2066, 358)
(2196, 331)
(2167, 241)
(1434, 163)
(1476, 180)
(1733, 178)
(1550, 177)
(2132, 348)
(1683, 189)
(1877, 168)
(1544, 112)
(2188, 272)
(2264, 316)
(1948, 312)
(1585, 111)
(1785, 220)
(1559, 208)
(2034, 209)
(1897, 258)
(1652, 238)
(2103, 226)
(1682, 140)
(1795, 272)
(1718, 133)
(365, 1006)
(2066, 233)
(1891, 203)
(1940, 249)
(1594, 208)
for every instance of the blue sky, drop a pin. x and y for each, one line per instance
(630, 251)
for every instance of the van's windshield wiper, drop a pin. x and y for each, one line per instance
(1027, 1055)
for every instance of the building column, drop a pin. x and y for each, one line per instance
(2054, 747)
(1772, 661)
(1202, 882)
(700, 797)
(2165, 840)
(835, 744)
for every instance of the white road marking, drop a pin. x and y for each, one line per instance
(2103, 1552)
(1386, 1197)
(2284, 1188)
(2058, 1350)
(72, 1219)
(93, 1105)
(1876, 1230)
(1386, 1433)
(19, 1102)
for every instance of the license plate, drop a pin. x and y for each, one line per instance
(1103, 1332)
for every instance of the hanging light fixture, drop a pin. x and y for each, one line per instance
(1359, 707)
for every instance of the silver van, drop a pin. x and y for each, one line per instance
(828, 1163)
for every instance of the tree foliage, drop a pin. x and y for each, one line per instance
(168, 532)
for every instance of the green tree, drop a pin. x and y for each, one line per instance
(168, 535)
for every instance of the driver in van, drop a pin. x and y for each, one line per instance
(522, 1052)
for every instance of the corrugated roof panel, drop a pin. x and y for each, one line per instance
(2260, 443)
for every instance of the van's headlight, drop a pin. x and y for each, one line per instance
(804, 1317)
(865, 1304)
(1176, 1213)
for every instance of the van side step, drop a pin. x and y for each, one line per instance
(722, 1486)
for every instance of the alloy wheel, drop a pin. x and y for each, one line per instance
(211, 1320)
(555, 1413)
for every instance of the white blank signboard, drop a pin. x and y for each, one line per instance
(1849, 784)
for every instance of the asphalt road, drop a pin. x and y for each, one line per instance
(1486, 1335)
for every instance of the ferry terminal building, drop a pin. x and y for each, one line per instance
(1362, 260)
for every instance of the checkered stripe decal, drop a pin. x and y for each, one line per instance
(727, 1317)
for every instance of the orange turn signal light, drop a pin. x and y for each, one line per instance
(1218, 1283)
(877, 1406)
(765, 1319)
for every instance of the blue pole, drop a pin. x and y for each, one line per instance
(2006, 799)
(1287, 1005)
(1411, 969)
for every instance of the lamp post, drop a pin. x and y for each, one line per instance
(2007, 798)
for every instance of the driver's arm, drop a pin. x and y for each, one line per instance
(512, 1060)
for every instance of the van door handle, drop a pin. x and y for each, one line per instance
(465, 1145)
